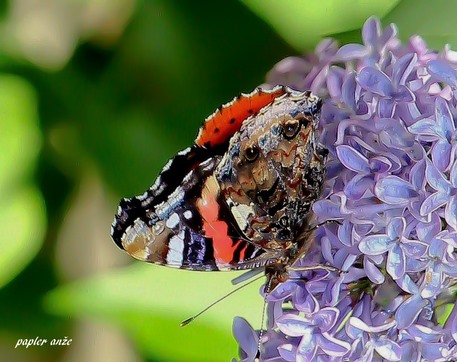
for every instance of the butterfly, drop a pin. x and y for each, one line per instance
(240, 197)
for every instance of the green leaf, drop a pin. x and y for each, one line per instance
(20, 137)
(149, 302)
(432, 20)
(304, 23)
(22, 221)
(444, 312)
(22, 211)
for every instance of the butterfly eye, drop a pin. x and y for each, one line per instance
(291, 128)
(251, 153)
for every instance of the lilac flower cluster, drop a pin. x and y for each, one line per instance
(389, 122)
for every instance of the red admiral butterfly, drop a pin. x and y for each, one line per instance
(240, 197)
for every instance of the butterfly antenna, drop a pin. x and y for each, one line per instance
(188, 320)
(264, 310)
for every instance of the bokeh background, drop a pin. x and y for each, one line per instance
(95, 97)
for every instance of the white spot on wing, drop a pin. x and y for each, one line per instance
(164, 208)
(172, 221)
(176, 249)
(167, 165)
(143, 197)
(188, 214)
(184, 152)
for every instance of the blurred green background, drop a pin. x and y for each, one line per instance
(95, 97)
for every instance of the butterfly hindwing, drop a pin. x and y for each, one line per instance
(188, 227)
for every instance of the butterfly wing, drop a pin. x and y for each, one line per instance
(184, 224)
(227, 119)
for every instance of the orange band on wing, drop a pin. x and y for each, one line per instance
(223, 123)
(212, 226)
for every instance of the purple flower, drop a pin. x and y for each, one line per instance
(313, 330)
(442, 264)
(445, 193)
(246, 337)
(396, 244)
(398, 192)
(440, 130)
(375, 40)
(374, 339)
(389, 123)
(391, 90)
